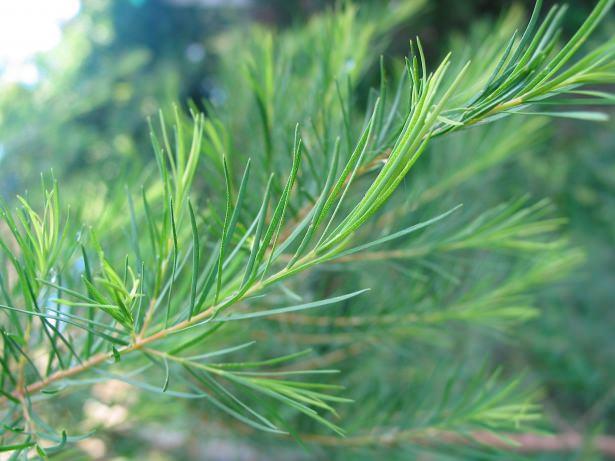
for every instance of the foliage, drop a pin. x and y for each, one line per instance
(281, 235)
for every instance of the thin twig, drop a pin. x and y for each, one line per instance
(521, 443)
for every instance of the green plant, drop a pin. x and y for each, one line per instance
(301, 178)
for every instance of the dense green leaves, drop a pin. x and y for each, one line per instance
(201, 261)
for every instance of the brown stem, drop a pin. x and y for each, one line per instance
(101, 357)
(557, 443)
(521, 443)
(139, 342)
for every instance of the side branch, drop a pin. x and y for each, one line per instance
(520, 443)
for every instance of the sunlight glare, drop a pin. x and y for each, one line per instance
(28, 27)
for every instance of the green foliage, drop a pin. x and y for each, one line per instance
(239, 273)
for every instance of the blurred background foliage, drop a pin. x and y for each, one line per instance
(120, 61)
